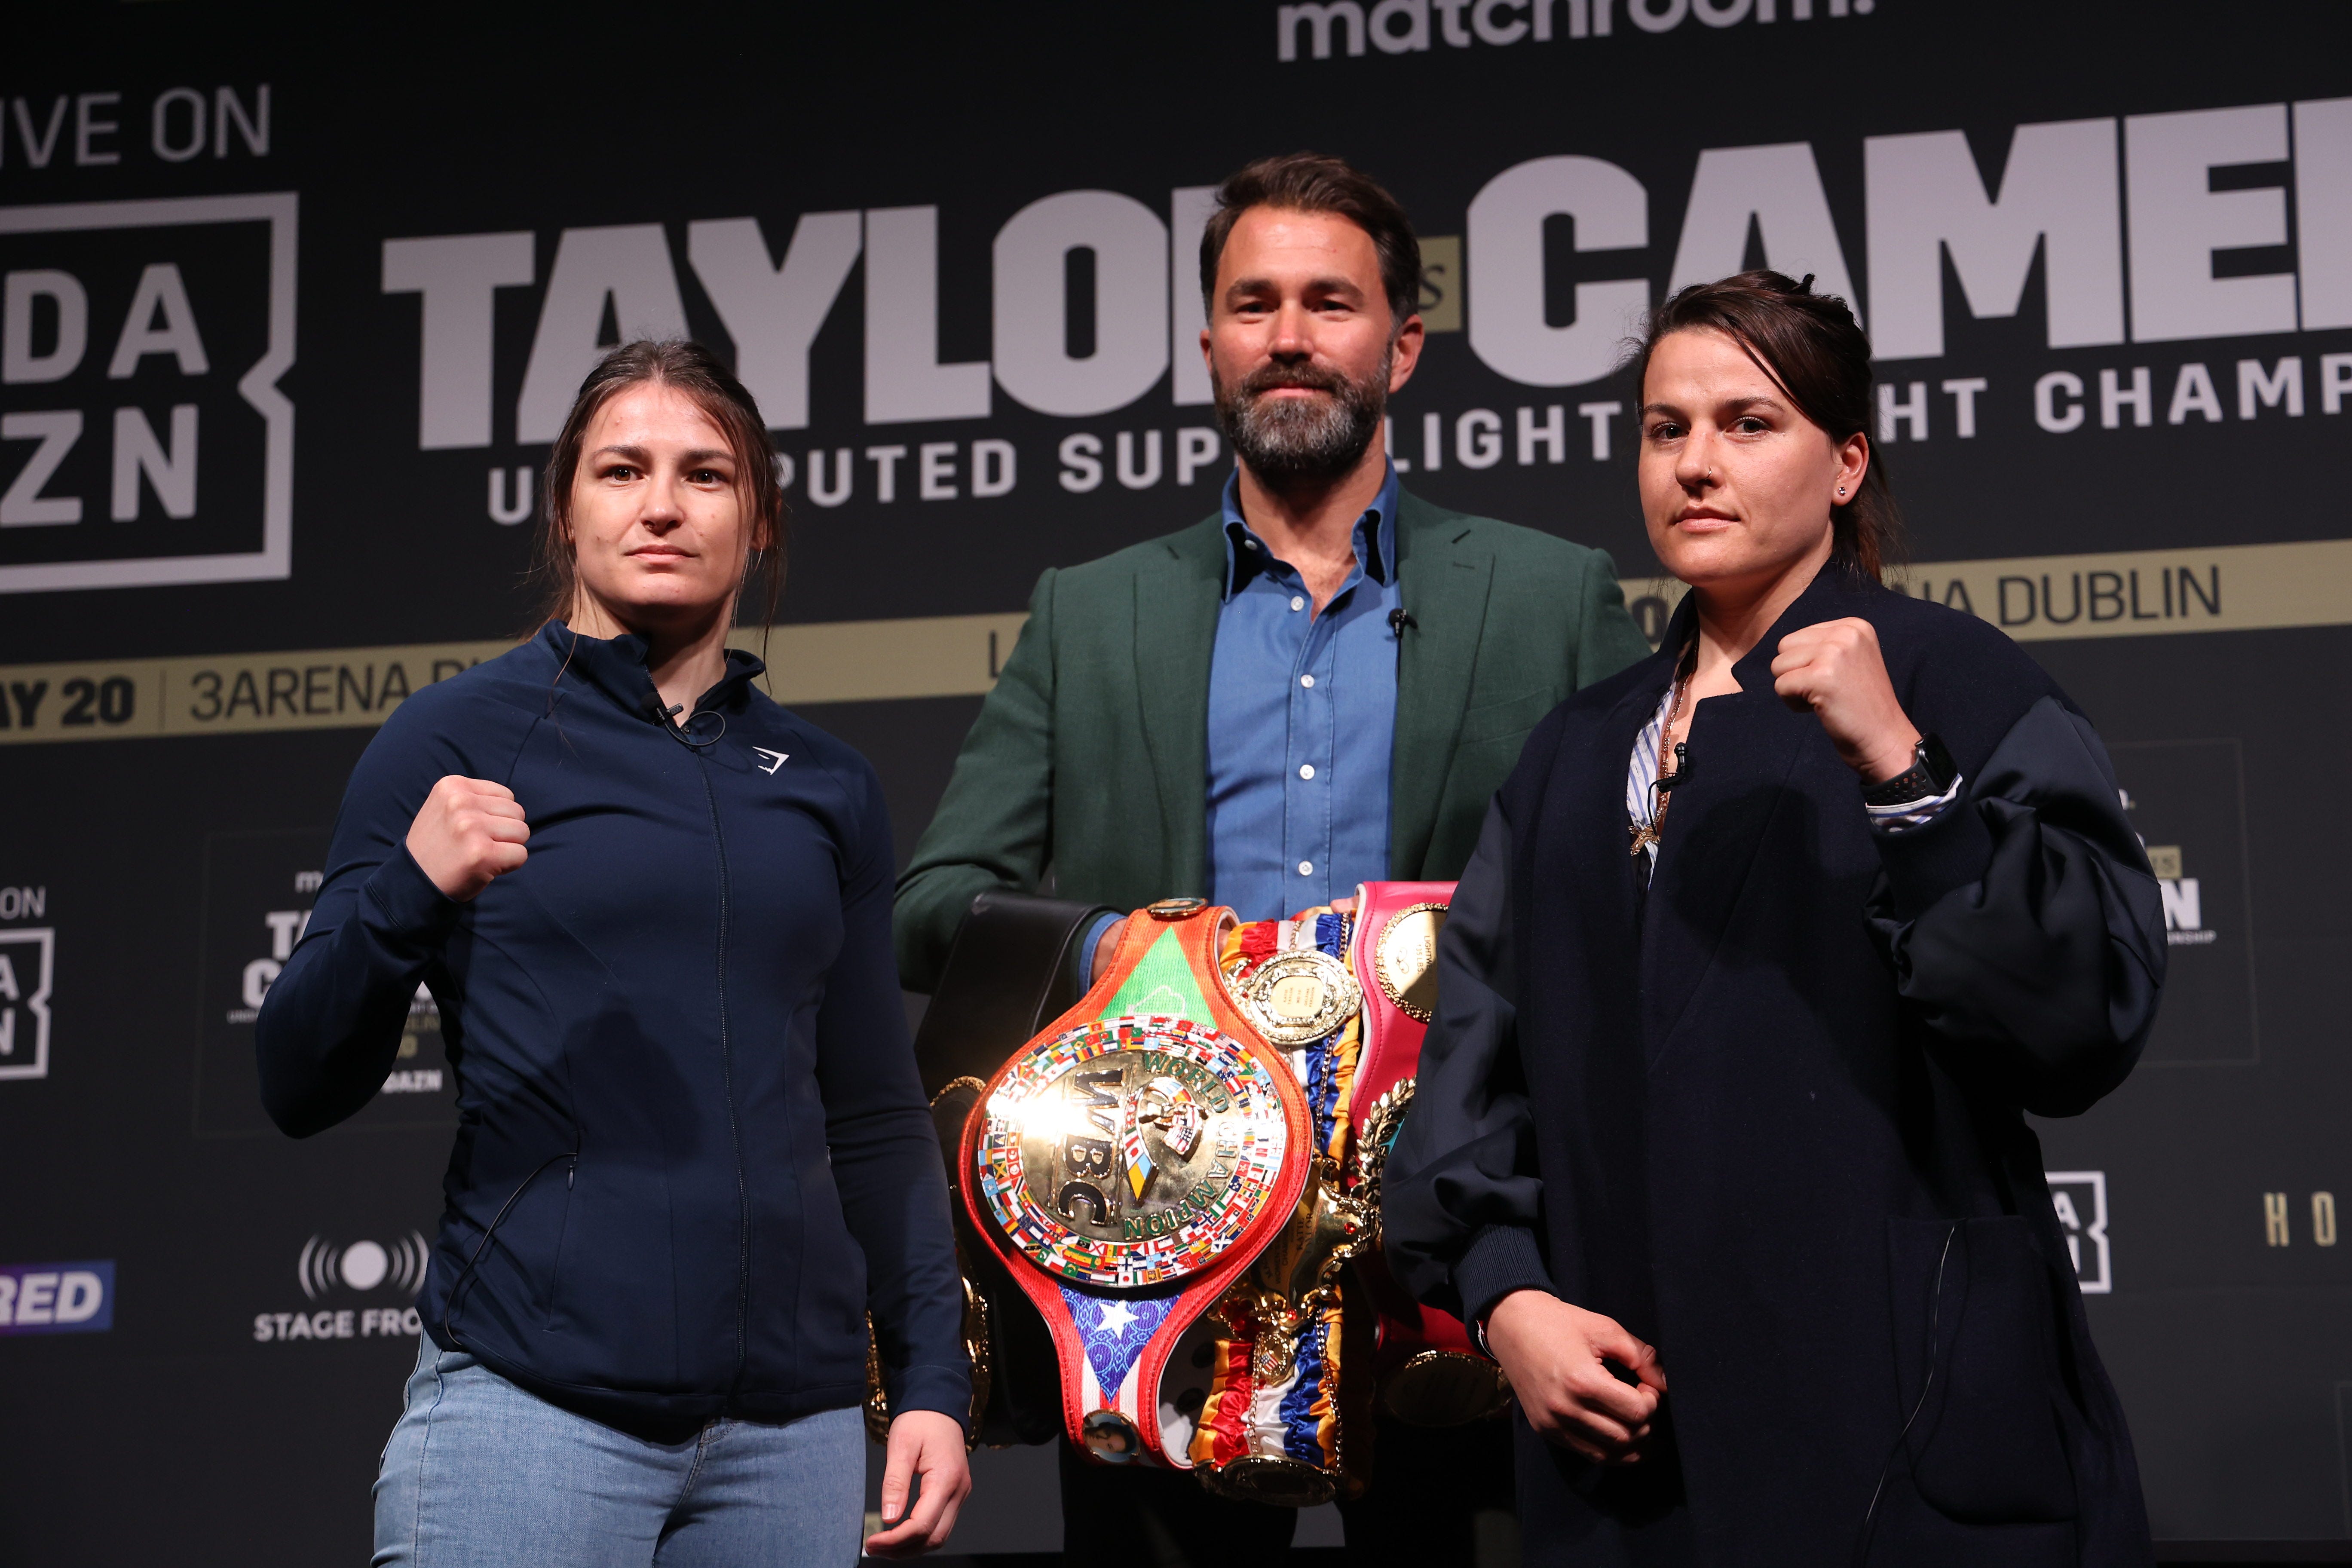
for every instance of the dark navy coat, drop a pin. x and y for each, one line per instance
(692, 1150)
(1768, 1114)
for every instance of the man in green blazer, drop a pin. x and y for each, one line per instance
(1090, 757)
(1323, 684)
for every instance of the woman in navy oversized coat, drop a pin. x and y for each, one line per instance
(1769, 943)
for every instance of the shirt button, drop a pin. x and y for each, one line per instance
(1306, 770)
(1253, 545)
(1306, 867)
(1306, 681)
(1296, 603)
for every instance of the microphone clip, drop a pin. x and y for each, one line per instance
(1666, 781)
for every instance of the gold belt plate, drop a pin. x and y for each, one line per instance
(1131, 1150)
(1300, 996)
(1404, 960)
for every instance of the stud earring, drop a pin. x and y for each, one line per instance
(1841, 489)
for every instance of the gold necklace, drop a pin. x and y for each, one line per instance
(1661, 786)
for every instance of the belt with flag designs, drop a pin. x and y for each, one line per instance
(1127, 1165)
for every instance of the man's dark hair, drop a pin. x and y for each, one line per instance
(1314, 183)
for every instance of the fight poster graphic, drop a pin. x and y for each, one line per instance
(258, 891)
(2186, 800)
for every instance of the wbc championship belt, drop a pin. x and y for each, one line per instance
(1127, 1166)
(1427, 1371)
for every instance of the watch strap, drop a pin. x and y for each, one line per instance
(1930, 775)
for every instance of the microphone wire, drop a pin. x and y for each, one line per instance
(1934, 1316)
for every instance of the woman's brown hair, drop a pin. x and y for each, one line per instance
(1814, 351)
(696, 372)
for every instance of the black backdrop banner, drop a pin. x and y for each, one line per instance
(290, 318)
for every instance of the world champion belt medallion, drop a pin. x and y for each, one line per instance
(1301, 995)
(1130, 1151)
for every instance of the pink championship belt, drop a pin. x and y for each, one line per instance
(1428, 1372)
(1128, 1165)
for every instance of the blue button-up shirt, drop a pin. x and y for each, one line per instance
(1302, 721)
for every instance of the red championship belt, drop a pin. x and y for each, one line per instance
(1429, 1374)
(1128, 1165)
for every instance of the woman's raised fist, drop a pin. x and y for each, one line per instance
(469, 832)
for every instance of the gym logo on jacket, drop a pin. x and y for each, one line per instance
(774, 759)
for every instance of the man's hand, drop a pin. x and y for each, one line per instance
(928, 1446)
(471, 832)
(1834, 670)
(1106, 947)
(1556, 1356)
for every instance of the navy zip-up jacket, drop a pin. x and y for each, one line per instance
(692, 1152)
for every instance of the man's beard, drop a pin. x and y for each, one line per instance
(1288, 440)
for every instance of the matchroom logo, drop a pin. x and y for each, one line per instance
(143, 439)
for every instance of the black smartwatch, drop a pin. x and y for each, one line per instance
(1931, 773)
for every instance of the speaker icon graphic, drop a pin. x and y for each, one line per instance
(327, 1266)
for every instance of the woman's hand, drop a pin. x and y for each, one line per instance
(1835, 671)
(1557, 1358)
(469, 833)
(927, 1445)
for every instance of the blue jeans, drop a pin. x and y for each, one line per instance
(480, 1474)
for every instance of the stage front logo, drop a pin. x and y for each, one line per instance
(339, 1277)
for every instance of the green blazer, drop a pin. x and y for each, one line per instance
(1090, 759)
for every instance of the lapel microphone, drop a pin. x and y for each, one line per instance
(1400, 618)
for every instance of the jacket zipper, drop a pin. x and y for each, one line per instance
(727, 1081)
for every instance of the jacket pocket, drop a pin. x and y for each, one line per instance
(614, 1284)
(1974, 1321)
(1510, 718)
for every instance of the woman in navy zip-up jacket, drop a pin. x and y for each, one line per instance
(693, 1155)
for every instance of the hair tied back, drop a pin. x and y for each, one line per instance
(1812, 346)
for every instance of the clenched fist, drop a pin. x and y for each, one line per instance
(1834, 670)
(1559, 1359)
(471, 832)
